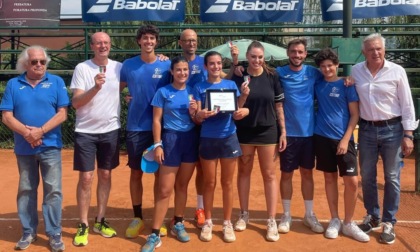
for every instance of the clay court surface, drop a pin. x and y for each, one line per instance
(119, 214)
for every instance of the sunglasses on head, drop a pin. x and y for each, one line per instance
(35, 62)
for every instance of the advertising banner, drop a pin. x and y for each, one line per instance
(26, 13)
(251, 10)
(136, 10)
(333, 9)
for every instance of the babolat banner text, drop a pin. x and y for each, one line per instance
(135, 10)
(251, 10)
(333, 9)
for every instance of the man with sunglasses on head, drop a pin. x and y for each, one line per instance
(33, 106)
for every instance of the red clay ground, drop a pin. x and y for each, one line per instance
(119, 214)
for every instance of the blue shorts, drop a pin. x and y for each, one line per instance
(180, 147)
(105, 147)
(327, 160)
(214, 148)
(298, 153)
(137, 142)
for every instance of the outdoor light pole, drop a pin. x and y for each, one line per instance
(347, 27)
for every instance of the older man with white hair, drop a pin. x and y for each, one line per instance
(33, 106)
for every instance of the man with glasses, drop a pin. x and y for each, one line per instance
(96, 98)
(33, 106)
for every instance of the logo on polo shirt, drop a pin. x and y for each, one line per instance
(46, 84)
(22, 87)
(157, 74)
(334, 92)
(196, 69)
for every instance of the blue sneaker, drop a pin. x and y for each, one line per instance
(179, 231)
(153, 241)
(56, 243)
(25, 241)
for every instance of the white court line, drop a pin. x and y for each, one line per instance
(192, 219)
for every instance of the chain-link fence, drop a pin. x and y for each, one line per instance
(67, 128)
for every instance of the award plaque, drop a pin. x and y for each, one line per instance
(222, 100)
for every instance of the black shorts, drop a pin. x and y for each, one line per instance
(137, 142)
(327, 160)
(298, 153)
(104, 146)
(260, 135)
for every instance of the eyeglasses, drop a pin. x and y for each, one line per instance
(189, 41)
(35, 62)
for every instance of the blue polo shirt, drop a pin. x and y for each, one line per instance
(34, 106)
(299, 99)
(143, 80)
(197, 72)
(220, 125)
(174, 104)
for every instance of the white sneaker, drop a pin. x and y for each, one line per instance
(243, 219)
(285, 224)
(272, 232)
(352, 230)
(312, 222)
(228, 233)
(206, 231)
(333, 228)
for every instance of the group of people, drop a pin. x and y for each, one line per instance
(169, 109)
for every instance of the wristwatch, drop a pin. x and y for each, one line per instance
(411, 137)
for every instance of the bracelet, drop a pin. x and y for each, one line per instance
(42, 128)
(157, 145)
(411, 137)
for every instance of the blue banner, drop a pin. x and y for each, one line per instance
(136, 10)
(251, 10)
(333, 9)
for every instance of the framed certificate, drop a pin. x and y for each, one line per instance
(222, 100)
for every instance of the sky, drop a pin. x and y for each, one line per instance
(71, 9)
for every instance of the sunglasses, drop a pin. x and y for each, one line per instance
(35, 62)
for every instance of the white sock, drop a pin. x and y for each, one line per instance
(226, 222)
(200, 204)
(286, 207)
(209, 221)
(309, 206)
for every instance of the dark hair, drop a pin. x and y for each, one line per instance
(257, 44)
(176, 60)
(209, 54)
(326, 54)
(147, 29)
(298, 41)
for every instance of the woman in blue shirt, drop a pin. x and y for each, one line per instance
(218, 142)
(176, 150)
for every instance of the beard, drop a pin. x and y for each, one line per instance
(296, 65)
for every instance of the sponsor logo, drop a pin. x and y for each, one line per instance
(102, 6)
(337, 5)
(381, 3)
(171, 96)
(221, 6)
(22, 87)
(235, 151)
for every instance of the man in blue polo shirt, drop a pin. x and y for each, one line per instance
(33, 106)
(142, 75)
